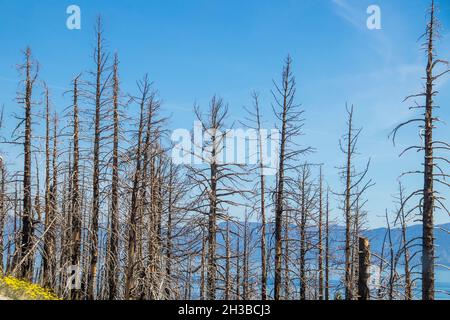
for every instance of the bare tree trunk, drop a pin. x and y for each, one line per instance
(212, 267)
(100, 63)
(408, 284)
(428, 189)
(132, 223)
(75, 212)
(348, 213)
(285, 93)
(262, 200)
(238, 267)
(169, 244)
(227, 261)
(287, 279)
(113, 252)
(245, 275)
(202, 268)
(320, 255)
(391, 262)
(54, 190)
(48, 259)
(303, 214)
(26, 268)
(364, 272)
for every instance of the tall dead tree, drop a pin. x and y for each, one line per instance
(142, 101)
(217, 181)
(432, 172)
(320, 236)
(254, 122)
(26, 257)
(327, 247)
(287, 112)
(100, 85)
(75, 207)
(112, 264)
(355, 185)
(54, 196)
(304, 196)
(48, 258)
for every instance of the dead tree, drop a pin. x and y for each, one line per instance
(355, 186)
(54, 197)
(288, 113)
(75, 206)
(320, 236)
(48, 258)
(216, 181)
(142, 101)
(112, 264)
(391, 260)
(402, 216)
(364, 271)
(101, 60)
(227, 261)
(26, 257)
(430, 198)
(254, 122)
(304, 195)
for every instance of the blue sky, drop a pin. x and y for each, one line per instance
(194, 49)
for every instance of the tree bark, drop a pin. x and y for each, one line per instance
(26, 268)
(364, 271)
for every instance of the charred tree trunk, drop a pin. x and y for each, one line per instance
(202, 267)
(113, 252)
(212, 227)
(303, 214)
(227, 262)
(262, 199)
(402, 216)
(285, 93)
(348, 212)
(54, 187)
(75, 206)
(327, 249)
(100, 63)
(364, 271)
(26, 267)
(132, 223)
(48, 259)
(428, 188)
(320, 255)
(245, 275)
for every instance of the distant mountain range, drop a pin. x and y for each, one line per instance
(376, 237)
(442, 240)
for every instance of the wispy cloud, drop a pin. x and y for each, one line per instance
(350, 14)
(356, 16)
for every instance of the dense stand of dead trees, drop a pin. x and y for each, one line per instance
(120, 220)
